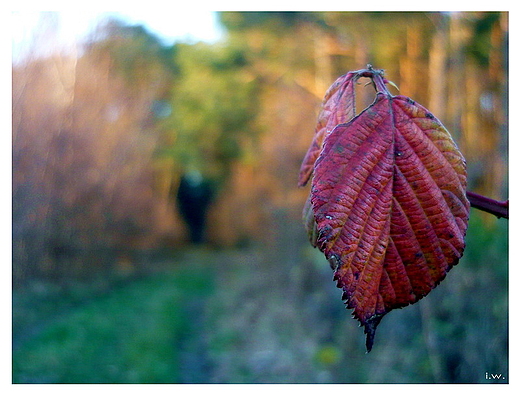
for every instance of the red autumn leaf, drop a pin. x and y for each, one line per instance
(388, 199)
(338, 107)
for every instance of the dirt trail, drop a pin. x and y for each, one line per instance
(267, 320)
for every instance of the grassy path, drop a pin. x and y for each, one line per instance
(270, 315)
(130, 334)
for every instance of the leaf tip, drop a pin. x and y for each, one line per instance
(370, 330)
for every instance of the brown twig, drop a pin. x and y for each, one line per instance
(497, 208)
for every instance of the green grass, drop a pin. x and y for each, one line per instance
(255, 317)
(129, 335)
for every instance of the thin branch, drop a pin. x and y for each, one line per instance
(497, 208)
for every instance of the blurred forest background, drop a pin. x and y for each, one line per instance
(157, 232)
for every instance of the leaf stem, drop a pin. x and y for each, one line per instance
(497, 208)
(380, 83)
(377, 77)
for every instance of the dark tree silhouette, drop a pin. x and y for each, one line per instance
(193, 198)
